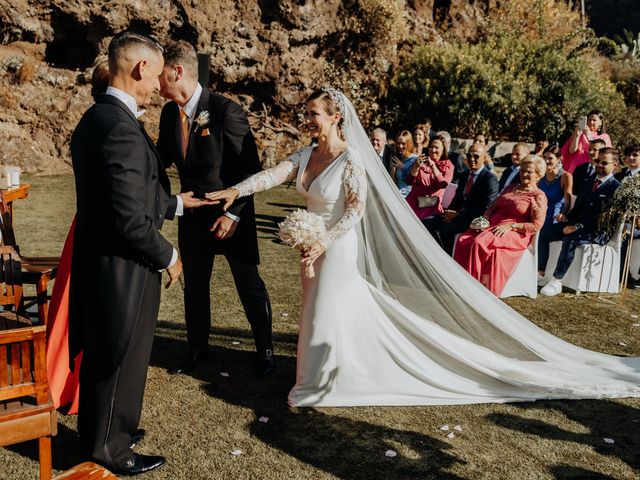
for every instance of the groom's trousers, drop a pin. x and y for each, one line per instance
(111, 401)
(198, 248)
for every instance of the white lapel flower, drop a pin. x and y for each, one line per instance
(202, 119)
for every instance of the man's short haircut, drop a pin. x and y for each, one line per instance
(609, 151)
(597, 141)
(521, 145)
(125, 40)
(446, 135)
(633, 148)
(182, 53)
(379, 131)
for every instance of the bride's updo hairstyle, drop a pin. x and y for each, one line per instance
(331, 105)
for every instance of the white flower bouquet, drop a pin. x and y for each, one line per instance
(300, 230)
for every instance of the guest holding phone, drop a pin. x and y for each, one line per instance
(575, 151)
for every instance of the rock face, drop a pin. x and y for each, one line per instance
(267, 54)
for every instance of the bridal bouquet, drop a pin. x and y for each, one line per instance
(300, 230)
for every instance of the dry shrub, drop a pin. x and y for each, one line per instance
(25, 72)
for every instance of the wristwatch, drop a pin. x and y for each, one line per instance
(579, 226)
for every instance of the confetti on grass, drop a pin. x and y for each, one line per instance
(444, 428)
(235, 343)
(457, 428)
(609, 440)
(235, 453)
(263, 419)
(451, 436)
(224, 374)
(390, 453)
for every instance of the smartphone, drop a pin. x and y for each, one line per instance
(582, 123)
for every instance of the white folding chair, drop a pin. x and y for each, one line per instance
(523, 282)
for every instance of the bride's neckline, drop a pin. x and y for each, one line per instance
(306, 189)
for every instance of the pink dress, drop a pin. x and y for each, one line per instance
(571, 160)
(490, 259)
(427, 184)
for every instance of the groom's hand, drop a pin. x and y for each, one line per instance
(174, 272)
(223, 227)
(189, 201)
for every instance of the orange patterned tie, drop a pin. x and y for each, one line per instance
(184, 130)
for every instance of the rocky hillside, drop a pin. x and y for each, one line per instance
(268, 54)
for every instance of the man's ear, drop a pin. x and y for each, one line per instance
(140, 67)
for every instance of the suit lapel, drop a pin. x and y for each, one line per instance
(203, 105)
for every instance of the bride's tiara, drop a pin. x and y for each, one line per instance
(338, 98)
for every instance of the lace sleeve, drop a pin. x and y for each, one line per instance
(354, 180)
(538, 213)
(266, 179)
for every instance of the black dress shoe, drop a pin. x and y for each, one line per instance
(264, 363)
(137, 437)
(190, 362)
(138, 464)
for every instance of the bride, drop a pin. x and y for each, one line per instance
(389, 318)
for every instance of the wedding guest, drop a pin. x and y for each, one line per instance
(429, 176)
(632, 162)
(586, 171)
(426, 121)
(402, 161)
(382, 148)
(580, 225)
(456, 158)
(575, 151)
(421, 138)
(477, 189)
(480, 138)
(511, 174)
(100, 78)
(540, 147)
(557, 186)
(491, 255)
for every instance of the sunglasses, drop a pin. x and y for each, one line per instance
(473, 155)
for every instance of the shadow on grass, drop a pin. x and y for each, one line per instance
(343, 447)
(602, 419)
(268, 224)
(567, 472)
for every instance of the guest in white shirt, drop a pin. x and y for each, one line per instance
(512, 174)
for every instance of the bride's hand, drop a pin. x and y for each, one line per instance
(229, 195)
(312, 253)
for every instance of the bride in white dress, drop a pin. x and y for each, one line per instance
(389, 318)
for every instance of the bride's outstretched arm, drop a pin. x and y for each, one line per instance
(261, 181)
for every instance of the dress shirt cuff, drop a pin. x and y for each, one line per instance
(174, 259)
(233, 217)
(179, 206)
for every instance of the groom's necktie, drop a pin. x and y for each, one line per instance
(184, 130)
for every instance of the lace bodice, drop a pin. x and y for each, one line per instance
(528, 208)
(338, 193)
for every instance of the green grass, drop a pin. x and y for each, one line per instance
(196, 421)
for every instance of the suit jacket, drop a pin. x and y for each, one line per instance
(483, 193)
(505, 175)
(387, 153)
(589, 205)
(122, 195)
(581, 175)
(215, 161)
(622, 174)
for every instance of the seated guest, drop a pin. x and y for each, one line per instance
(482, 139)
(456, 158)
(384, 151)
(477, 189)
(402, 161)
(512, 174)
(580, 225)
(421, 138)
(427, 123)
(557, 186)
(430, 175)
(492, 254)
(632, 162)
(540, 147)
(587, 171)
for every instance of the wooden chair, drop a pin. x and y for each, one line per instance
(36, 271)
(26, 409)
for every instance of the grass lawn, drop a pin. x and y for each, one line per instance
(196, 421)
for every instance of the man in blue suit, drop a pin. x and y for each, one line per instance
(580, 225)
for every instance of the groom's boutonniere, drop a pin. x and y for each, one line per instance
(201, 121)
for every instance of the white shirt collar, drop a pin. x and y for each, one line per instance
(191, 106)
(634, 171)
(477, 172)
(604, 179)
(125, 98)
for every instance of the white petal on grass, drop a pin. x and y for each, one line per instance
(224, 374)
(390, 453)
(235, 343)
(609, 440)
(284, 314)
(458, 428)
(235, 453)
(622, 344)
(263, 419)
(451, 435)
(444, 428)
(633, 315)
(636, 325)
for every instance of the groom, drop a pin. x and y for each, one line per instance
(208, 138)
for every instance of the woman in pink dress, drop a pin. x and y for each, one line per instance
(492, 254)
(430, 175)
(575, 151)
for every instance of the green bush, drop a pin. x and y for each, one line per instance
(505, 86)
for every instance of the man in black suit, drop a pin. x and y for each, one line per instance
(511, 174)
(122, 197)
(580, 225)
(477, 189)
(585, 172)
(384, 150)
(208, 138)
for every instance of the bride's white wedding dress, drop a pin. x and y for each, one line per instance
(390, 319)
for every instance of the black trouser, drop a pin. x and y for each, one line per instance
(111, 402)
(198, 248)
(445, 232)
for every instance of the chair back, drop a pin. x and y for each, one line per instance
(6, 224)
(10, 278)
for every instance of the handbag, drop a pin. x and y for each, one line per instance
(428, 201)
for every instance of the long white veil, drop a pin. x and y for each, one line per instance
(507, 357)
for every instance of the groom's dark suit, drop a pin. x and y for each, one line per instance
(123, 198)
(219, 155)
